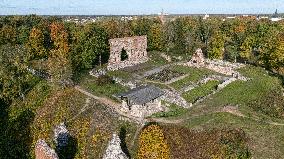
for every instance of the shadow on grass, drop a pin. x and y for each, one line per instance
(122, 136)
(69, 151)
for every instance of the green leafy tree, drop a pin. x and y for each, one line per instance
(92, 48)
(247, 48)
(216, 46)
(14, 77)
(35, 44)
(8, 34)
(155, 37)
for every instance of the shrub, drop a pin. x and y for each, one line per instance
(152, 144)
(209, 143)
(104, 79)
(271, 104)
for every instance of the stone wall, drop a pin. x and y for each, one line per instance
(135, 48)
(143, 110)
(175, 98)
(220, 66)
(43, 151)
(114, 150)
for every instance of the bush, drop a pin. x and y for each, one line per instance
(271, 104)
(212, 143)
(104, 79)
(152, 144)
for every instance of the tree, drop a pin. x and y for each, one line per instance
(152, 144)
(247, 48)
(8, 34)
(35, 44)
(155, 37)
(92, 48)
(277, 55)
(216, 46)
(59, 63)
(14, 77)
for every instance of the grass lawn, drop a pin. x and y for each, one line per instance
(241, 93)
(174, 110)
(265, 140)
(200, 91)
(120, 74)
(195, 74)
(106, 90)
(89, 82)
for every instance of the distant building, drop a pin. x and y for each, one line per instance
(162, 17)
(206, 16)
(231, 17)
(141, 101)
(275, 17)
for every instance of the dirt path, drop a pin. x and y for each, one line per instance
(108, 102)
(116, 106)
(166, 121)
(86, 106)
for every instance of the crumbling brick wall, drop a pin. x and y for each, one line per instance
(135, 48)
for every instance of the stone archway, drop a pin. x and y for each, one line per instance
(123, 55)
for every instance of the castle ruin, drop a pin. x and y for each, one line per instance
(128, 51)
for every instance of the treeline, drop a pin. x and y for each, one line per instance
(64, 49)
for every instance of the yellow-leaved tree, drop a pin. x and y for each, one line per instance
(153, 144)
(58, 61)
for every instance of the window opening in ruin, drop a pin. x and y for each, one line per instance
(123, 55)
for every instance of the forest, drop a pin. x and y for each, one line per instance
(65, 49)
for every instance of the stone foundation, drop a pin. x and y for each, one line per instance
(175, 98)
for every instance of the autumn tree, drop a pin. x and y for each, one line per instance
(152, 144)
(59, 63)
(8, 34)
(155, 37)
(35, 44)
(216, 46)
(276, 58)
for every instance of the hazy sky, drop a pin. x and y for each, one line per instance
(93, 7)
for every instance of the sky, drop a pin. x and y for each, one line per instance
(134, 7)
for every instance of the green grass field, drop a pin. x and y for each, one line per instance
(200, 91)
(266, 140)
(195, 74)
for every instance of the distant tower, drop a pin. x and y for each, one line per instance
(275, 15)
(162, 17)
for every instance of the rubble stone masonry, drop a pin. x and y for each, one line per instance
(135, 48)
